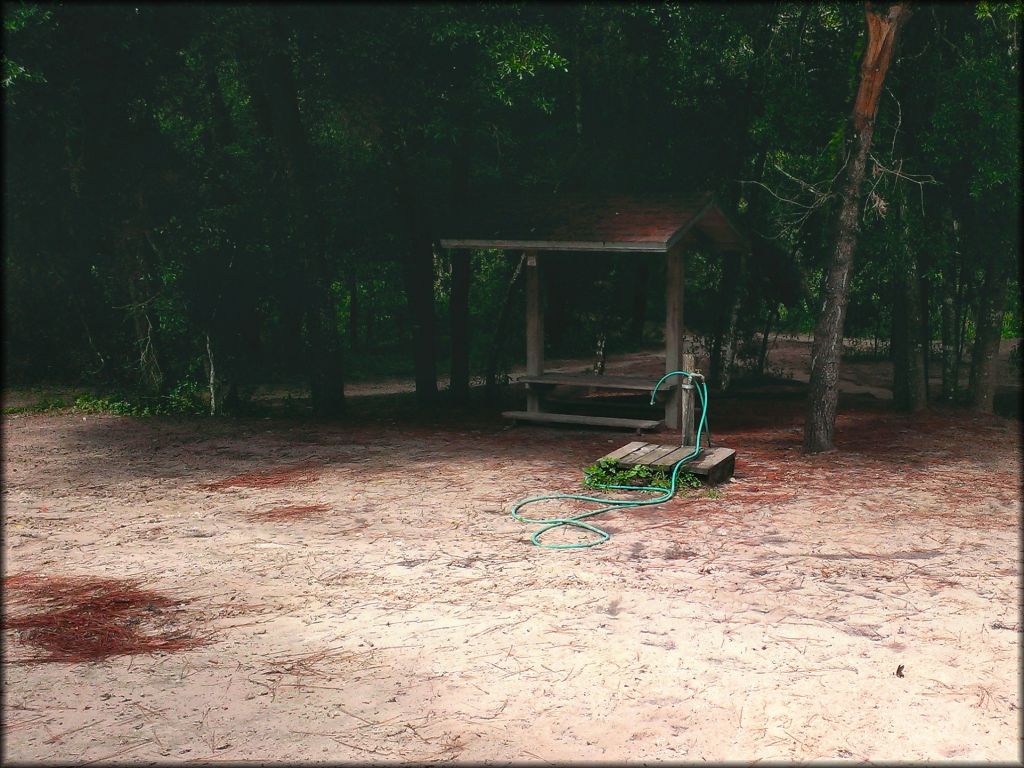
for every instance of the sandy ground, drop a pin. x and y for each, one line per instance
(407, 617)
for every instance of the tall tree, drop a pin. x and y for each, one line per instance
(883, 30)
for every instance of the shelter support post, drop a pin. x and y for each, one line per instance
(534, 330)
(673, 330)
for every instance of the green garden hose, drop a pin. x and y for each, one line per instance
(579, 521)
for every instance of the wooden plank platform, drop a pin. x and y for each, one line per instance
(716, 465)
(627, 383)
(596, 421)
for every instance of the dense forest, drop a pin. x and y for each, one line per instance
(201, 199)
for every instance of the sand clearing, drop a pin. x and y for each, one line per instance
(366, 595)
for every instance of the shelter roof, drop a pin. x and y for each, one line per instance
(593, 223)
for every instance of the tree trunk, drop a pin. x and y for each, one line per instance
(322, 350)
(826, 350)
(370, 323)
(988, 331)
(461, 275)
(924, 329)
(949, 383)
(459, 318)
(908, 388)
(353, 313)
(211, 375)
(418, 277)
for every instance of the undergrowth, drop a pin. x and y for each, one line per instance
(185, 399)
(606, 472)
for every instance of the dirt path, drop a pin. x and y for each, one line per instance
(406, 617)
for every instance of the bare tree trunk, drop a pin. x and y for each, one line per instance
(966, 308)
(213, 376)
(459, 318)
(826, 350)
(353, 312)
(988, 331)
(949, 383)
(418, 277)
(910, 390)
(458, 304)
(322, 350)
(924, 329)
(908, 387)
(370, 324)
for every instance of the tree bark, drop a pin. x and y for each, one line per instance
(418, 277)
(458, 304)
(924, 329)
(951, 294)
(908, 387)
(459, 318)
(353, 312)
(988, 331)
(211, 376)
(823, 397)
(949, 384)
(322, 350)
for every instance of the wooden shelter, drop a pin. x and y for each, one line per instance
(544, 227)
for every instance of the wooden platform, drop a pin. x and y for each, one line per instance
(716, 465)
(597, 421)
(626, 383)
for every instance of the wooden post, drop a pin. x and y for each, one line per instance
(673, 330)
(534, 330)
(689, 429)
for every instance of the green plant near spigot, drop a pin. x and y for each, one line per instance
(607, 473)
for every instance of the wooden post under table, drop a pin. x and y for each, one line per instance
(673, 331)
(534, 330)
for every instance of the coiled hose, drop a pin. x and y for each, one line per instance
(579, 521)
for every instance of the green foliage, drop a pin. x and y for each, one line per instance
(43, 405)
(607, 473)
(155, 198)
(16, 20)
(183, 400)
(108, 405)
